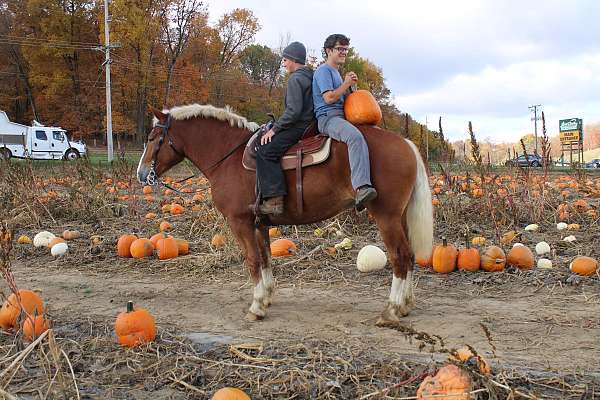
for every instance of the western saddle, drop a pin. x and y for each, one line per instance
(313, 148)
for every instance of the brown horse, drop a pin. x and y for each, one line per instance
(213, 139)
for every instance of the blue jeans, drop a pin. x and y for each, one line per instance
(336, 127)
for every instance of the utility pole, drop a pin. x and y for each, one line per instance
(535, 120)
(109, 136)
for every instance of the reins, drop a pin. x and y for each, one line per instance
(151, 178)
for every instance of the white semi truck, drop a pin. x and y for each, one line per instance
(37, 142)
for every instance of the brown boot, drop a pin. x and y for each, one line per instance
(272, 206)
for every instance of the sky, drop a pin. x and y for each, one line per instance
(482, 61)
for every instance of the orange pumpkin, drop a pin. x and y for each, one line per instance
(450, 383)
(426, 263)
(167, 248)
(165, 226)
(274, 233)
(444, 258)
(468, 258)
(360, 107)
(218, 240)
(156, 237)
(28, 301)
(283, 248)
(521, 257)
(585, 266)
(54, 241)
(493, 259)
(71, 235)
(124, 245)
(141, 248)
(183, 247)
(135, 327)
(34, 326)
(176, 209)
(147, 189)
(229, 393)
(150, 215)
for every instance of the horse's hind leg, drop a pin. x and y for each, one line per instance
(266, 271)
(401, 299)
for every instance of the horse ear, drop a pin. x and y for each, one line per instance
(157, 113)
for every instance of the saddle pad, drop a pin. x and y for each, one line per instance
(315, 150)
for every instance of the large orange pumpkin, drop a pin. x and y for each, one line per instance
(521, 257)
(444, 258)
(141, 248)
(183, 247)
(493, 259)
(468, 258)
(156, 237)
(585, 266)
(167, 248)
(28, 301)
(283, 248)
(229, 393)
(360, 107)
(134, 327)
(450, 383)
(34, 326)
(124, 245)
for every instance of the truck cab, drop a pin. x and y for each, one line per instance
(37, 142)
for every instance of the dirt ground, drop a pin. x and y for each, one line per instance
(536, 319)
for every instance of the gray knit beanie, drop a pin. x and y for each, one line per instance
(295, 51)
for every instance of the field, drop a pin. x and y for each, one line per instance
(539, 328)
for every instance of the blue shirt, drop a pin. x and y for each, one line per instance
(326, 78)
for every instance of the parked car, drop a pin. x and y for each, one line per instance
(532, 160)
(595, 163)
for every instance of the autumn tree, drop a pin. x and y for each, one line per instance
(182, 19)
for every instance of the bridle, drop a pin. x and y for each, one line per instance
(152, 180)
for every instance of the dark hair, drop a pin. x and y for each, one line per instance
(336, 38)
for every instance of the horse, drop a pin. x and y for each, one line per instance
(213, 140)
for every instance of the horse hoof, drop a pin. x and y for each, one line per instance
(253, 317)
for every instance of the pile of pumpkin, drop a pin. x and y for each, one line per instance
(445, 258)
(57, 245)
(24, 309)
(166, 246)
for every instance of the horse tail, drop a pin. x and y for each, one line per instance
(419, 212)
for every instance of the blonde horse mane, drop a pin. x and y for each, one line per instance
(209, 111)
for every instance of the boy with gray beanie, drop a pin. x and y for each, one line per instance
(286, 131)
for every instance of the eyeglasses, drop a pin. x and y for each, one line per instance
(341, 49)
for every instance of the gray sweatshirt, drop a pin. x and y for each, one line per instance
(298, 101)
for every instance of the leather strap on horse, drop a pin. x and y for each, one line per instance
(299, 180)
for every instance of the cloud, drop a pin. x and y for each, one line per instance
(493, 94)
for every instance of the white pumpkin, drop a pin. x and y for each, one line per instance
(570, 239)
(59, 249)
(544, 263)
(542, 248)
(518, 244)
(532, 227)
(42, 239)
(371, 258)
(561, 226)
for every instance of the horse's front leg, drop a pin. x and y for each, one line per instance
(266, 271)
(246, 235)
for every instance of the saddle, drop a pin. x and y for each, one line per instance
(312, 148)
